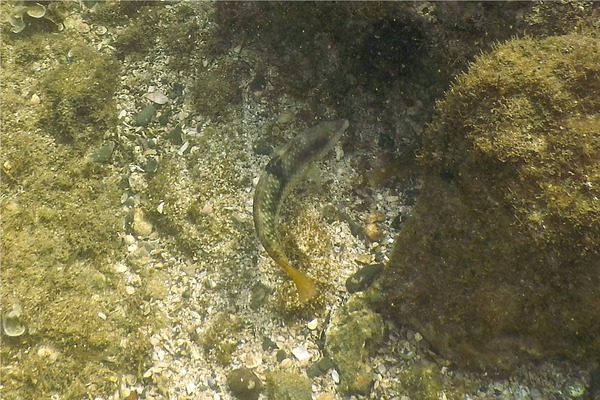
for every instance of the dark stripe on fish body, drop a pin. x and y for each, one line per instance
(295, 157)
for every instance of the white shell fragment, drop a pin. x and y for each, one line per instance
(157, 97)
(36, 11)
(17, 23)
(335, 376)
(11, 322)
(301, 353)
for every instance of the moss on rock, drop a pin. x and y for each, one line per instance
(422, 380)
(288, 386)
(79, 95)
(501, 259)
(217, 88)
(350, 337)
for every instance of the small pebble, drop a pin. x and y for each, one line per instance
(373, 232)
(176, 135)
(151, 165)
(244, 384)
(268, 344)
(312, 325)
(141, 227)
(280, 355)
(363, 278)
(285, 117)
(103, 153)
(319, 368)
(364, 258)
(48, 353)
(144, 117)
(120, 268)
(190, 388)
(262, 147)
(129, 240)
(81, 27)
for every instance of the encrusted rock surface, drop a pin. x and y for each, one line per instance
(501, 260)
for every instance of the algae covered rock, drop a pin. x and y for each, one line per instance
(422, 380)
(501, 259)
(288, 386)
(244, 383)
(354, 331)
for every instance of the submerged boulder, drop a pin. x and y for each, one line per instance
(501, 259)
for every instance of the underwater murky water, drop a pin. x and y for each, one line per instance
(451, 231)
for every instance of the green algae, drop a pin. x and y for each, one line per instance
(288, 386)
(61, 219)
(78, 95)
(500, 261)
(353, 333)
(421, 380)
(60, 228)
(217, 88)
(537, 134)
(219, 339)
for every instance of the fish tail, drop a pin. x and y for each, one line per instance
(306, 287)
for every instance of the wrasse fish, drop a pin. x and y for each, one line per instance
(279, 176)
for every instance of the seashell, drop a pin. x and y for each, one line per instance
(157, 97)
(335, 376)
(11, 322)
(36, 11)
(17, 23)
(301, 353)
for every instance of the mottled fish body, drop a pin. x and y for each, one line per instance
(279, 176)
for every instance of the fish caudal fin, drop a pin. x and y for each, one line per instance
(307, 289)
